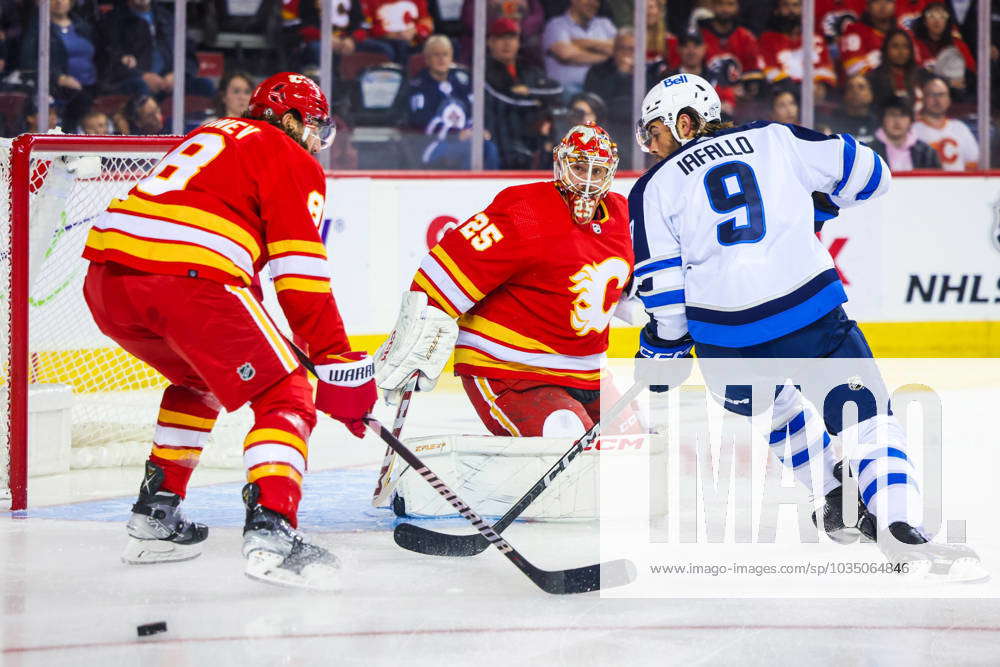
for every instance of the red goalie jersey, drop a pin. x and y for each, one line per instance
(236, 195)
(533, 290)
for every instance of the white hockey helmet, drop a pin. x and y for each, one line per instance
(666, 99)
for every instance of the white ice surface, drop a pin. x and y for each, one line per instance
(67, 600)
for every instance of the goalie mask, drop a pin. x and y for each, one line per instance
(287, 91)
(584, 166)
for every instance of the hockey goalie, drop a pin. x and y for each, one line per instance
(524, 293)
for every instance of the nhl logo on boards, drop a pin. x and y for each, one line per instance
(246, 372)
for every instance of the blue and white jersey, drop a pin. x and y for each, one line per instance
(723, 231)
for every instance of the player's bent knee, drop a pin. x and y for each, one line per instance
(290, 400)
(563, 424)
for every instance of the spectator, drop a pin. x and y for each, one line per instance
(143, 115)
(440, 98)
(138, 39)
(516, 94)
(784, 107)
(575, 40)
(732, 53)
(951, 138)
(861, 42)
(72, 66)
(908, 11)
(781, 47)
(898, 75)
(527, 14)
(347, 18)
(897, 142)
(31, 116)
(941, 49)
(611, 81)
(857, 117)
(95, 122)
(233, 97)
(586, 108)
(833, 17)
(691, 48)
(396, 28)
(661, 44)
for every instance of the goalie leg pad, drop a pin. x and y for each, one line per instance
(521, 407)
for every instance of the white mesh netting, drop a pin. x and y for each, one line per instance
(115, 397)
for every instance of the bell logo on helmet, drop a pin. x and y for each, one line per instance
(674, 80)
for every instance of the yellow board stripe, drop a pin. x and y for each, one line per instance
(164, 251)
(273, 336)
(499, 332)
(432, 291)
(456, 273)
(491, 398)
(276, 435)
(274, 470)
(180, 455)
(318, 285)
(465, 355)
(182, 419)
(308, 247)
(195, 217)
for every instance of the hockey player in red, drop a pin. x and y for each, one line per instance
(861, 41)
(172, 279)
(533, 281)
(781, 46)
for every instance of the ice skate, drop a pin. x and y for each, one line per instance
(833, 516)
(903, 544)
(278, 554)
(158, 530)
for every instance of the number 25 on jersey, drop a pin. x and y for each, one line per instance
(482, 233)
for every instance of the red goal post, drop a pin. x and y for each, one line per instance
(45, 341)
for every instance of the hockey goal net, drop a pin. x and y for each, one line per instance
(69, 396)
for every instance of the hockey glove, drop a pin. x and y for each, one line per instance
(346, 390)
(823, 209)
(653, 347)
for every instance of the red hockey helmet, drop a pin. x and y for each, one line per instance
(280, 93)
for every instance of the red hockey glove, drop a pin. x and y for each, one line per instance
(346, 389)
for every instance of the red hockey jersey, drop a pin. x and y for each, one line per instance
(861, 48)
(833, 16)
(732, 57)
(534, 291)
(783, 58)
(233, 196)
(390, 16)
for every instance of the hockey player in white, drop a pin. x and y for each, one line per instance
(727, 263)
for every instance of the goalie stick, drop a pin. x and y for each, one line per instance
(558, 582)
(433, 543)
(383, 487)
(576, 580)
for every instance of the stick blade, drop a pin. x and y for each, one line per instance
(431, 543)
(585, 579)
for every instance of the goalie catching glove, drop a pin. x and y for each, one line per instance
(421, 342)
(346, 390)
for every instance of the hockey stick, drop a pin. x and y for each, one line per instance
(576, 580)
(383, 489)
(432, 543)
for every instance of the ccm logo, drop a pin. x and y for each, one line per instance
(427, 448)
(618, 443)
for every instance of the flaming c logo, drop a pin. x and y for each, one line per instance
(590, 283)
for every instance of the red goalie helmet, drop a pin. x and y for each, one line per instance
(287, 91)
(584, 166)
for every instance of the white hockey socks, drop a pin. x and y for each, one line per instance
(799, 439)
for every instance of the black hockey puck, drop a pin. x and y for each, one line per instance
(151, 628)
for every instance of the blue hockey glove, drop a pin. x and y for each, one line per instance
(823, 209)
(653, 347)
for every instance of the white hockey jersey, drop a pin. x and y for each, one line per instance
(723, 231)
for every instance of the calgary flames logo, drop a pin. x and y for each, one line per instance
(590, 140)
(591, 284)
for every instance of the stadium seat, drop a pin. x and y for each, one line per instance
(351, 64)
(416, 63)
(109, 104)
(12, 109)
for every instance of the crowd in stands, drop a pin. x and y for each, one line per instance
(898, 74)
